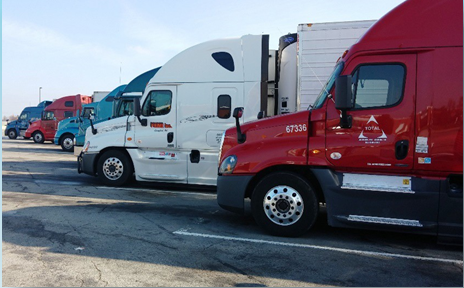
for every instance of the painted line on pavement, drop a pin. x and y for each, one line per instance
(326, 248)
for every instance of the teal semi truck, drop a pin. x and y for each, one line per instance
(68, 128)
(122, 105)
(28, 115)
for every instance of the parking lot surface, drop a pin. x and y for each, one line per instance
(61, 228)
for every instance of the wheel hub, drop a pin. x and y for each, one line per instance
(283, 205)
(68, 143)
(113, 168)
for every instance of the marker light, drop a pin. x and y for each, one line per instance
(86, 147)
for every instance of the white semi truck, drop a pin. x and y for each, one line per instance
(188, 104)
(185, 109)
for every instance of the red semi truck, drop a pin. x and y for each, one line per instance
(381, 146)
(62, 108)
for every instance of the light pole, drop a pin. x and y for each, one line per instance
(40, 89)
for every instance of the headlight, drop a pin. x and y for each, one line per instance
(220, 145)
(86, 147)
(228, 165)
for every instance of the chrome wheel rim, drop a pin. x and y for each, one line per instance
(283, 205)
(113, 168)
(38, 137)
(68, 143)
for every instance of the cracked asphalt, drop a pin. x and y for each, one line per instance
(60, 228)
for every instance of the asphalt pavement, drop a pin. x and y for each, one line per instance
(61, 228)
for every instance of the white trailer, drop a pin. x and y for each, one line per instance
(99, 95)
(307, 58)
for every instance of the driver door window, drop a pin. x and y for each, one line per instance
(157, 103)
(48, 115)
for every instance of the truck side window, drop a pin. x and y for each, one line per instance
(24, 116)
(86, 113)
(69, 104)
(68, 114)
(378, 85)
(48, 115)
(225, 60)
(157, 103)
(126, 108)
(223, 107)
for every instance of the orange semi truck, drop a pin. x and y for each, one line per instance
(62, 108)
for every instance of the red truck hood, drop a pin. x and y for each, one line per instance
(264, 131)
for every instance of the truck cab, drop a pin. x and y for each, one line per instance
(381, 146)
(62, 108)
(68, 128)
(28, 115)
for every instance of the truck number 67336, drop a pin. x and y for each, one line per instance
(296, 128)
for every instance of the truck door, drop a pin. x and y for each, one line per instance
(158, 156)
(49, 124)
(381, 136)
(374, 157)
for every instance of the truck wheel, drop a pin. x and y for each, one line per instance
(66, 142)
(284, 204)
(114, 168)
(12, 134)
(38, 137)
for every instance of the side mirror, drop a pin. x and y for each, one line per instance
(261, 114)
(238, 113)
(138, 112)
(137, 108)
(344, 99)
(343, 95)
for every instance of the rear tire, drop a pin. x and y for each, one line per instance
(284, 204)
(38, 137)
(66, 142)
(114, 168)
(12, 134)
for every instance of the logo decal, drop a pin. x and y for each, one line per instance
(160, 126)
(372, 133)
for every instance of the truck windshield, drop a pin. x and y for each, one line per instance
(328, 86)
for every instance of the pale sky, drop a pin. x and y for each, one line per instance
(72, 47)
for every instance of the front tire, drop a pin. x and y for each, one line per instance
(284, 204)
(12, 134)
(38, 137)
(66, 142)
(114, 168)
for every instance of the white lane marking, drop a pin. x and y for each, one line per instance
(212, 194)
(349, 251)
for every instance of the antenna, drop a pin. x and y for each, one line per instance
(120, 72)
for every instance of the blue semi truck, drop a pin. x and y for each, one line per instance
(28, 115)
